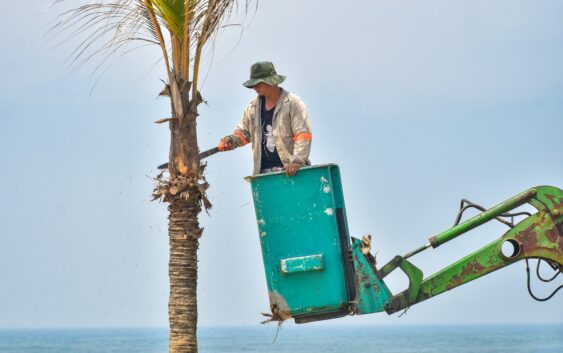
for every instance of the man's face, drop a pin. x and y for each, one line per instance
(262, 88)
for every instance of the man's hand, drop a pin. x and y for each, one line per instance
(226, 144)
(292, 169)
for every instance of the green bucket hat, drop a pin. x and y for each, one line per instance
(263, 72)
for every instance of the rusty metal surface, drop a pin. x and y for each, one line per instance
(372, 295)
(539, 236)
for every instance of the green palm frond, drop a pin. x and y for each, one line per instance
(172, 13)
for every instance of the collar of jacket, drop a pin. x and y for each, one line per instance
(283, 99)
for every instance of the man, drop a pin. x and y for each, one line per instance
(276, 123)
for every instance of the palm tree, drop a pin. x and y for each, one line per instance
(189, 25)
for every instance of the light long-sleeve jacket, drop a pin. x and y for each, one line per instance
(291, 129)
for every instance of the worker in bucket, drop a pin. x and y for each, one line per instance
(276, 123)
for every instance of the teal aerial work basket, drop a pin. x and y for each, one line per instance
(305, 243)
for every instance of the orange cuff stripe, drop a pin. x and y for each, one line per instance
(304, 136)
(239, 134)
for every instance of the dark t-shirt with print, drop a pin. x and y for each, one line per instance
(270, 156)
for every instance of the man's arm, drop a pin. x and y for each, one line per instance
(241, 136)
(302, 133)
(302, 136)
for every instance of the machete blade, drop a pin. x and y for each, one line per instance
(202, 155)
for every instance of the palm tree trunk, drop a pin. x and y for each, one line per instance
(184, 233)
(185, 192)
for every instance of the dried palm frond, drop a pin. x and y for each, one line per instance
(105, 28)
(183, 188)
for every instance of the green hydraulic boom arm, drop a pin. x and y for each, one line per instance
(538, 236)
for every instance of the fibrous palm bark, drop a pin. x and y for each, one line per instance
(184, 190)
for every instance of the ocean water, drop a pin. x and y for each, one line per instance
(294, 338)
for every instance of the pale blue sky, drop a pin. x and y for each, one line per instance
(420, 103)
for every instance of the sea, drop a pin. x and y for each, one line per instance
(295, 338)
